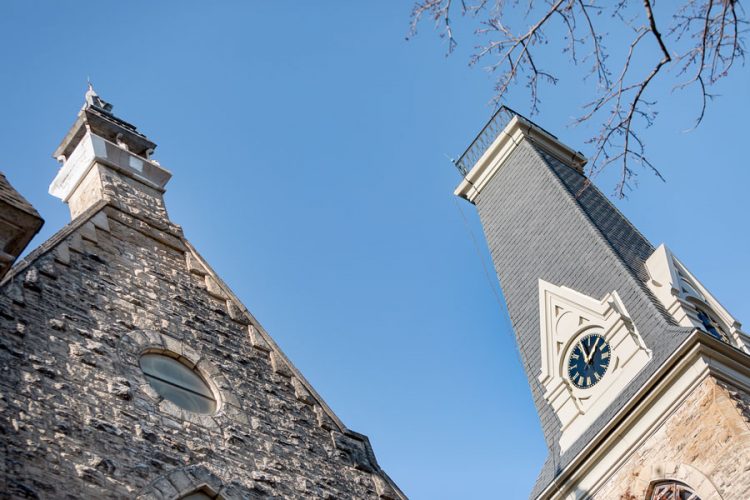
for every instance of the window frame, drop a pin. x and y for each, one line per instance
(163, 383)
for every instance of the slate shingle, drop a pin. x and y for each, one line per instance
(540, 224)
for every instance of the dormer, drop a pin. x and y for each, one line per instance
(689, 302)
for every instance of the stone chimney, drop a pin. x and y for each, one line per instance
(105, 158)
(19, 222)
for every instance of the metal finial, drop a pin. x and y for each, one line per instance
(90, 94)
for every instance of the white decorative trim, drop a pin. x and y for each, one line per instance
(501, 148)
(680, 293)
(598, 473)
(565, 317)
(697, 358)
(92, 149)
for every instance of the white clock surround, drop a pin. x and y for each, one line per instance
(566, 316)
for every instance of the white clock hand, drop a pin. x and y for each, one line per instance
(593, 348)
(583, 350)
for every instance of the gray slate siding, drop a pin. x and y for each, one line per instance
(624, 239)
(538, 228)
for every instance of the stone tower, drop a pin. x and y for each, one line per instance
(640, 377)
(130, 369)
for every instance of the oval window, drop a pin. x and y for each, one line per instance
(178, 383)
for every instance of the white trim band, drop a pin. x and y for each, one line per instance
(502, 147)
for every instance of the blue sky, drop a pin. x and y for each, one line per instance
(309, 148)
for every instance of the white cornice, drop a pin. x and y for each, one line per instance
(501, 148)
(94, 149)
(699, 356)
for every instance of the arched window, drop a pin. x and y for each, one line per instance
(712, 325)
(689, 288)
(178, 383)
(672, 490)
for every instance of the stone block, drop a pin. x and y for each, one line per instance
(236, 313)
(279, 365)
(301, 392)
(213, 288)
(383, 488)
(257, 340)
(353, 450)
(194, 265)
(88, 232)
(100, 221)
(324, 420)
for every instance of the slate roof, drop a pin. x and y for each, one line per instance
(541, 223)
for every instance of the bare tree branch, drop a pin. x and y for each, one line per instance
(706, 39)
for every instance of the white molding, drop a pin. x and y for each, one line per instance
(501, 148)
(565, 317)
(627, 442)
(697, 358)
(93, 149)
(679, 292)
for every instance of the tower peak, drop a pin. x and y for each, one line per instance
(616, 336)
(93, 99)
(494, 145)
(100, 148)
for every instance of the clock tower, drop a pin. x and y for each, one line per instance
(640, 377)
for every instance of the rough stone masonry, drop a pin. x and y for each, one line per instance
(79, 419)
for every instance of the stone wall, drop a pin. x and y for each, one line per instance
(705, 443)
(78, 419)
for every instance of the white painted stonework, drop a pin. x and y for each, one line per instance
(566, 316)
(681, 294)
(698, 358)
(92, 149)
(500, 150)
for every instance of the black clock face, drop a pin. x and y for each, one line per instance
(589, 361)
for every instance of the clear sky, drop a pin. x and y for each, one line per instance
(309, 144)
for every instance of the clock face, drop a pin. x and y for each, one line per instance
(589, 360)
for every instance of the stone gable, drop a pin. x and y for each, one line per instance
(80, 420)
